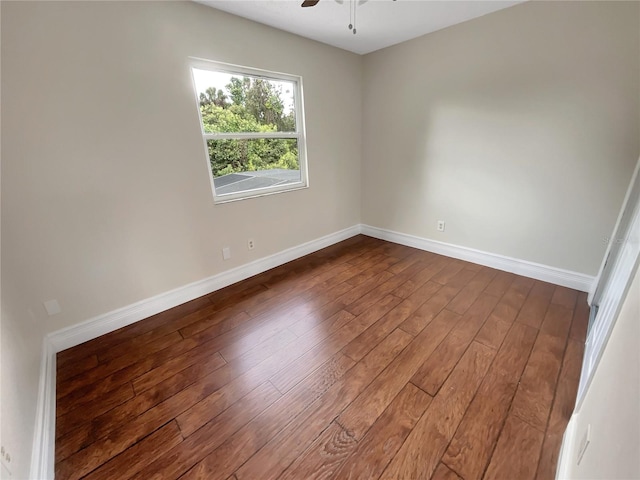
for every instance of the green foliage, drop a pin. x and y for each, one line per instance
(248, 105)
(211, 96)
(238, 89)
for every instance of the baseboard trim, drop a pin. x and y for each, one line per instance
(108, 322)
(566, 278)
(565, 460)
(43, 450)
(42, 460)
(43, 453)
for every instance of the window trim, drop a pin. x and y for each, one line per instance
(299, 134)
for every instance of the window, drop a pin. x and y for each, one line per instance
(253, 129)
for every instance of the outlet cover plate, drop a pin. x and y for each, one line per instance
(52, 307)
(584, 443)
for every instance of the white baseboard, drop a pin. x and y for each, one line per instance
(43, 453)
(565, 458)
(43, 450)
(42, 463)
(557, 276)
(110, 321)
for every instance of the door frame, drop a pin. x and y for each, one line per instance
(616, 273)
(612, 283)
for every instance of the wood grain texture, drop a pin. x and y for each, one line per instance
(213, 434)
(557, 321)
(439, 423)
(290, 375)
(366, 359)
(197, 356)
(535, 306)
(445, 473)
(500, 284)
(118, 418)
(533, 399)
(517, 452)
(70, 370)
(76, 417)
(110, 340)
(364, 411)
(323, 457)
(499, 322)
(471, 447)
(450, 271)
(567, 388)
(140, 455)
(433, 265)
(564, 297)
(435, 370)
(263, 426)
(580, 320)
(548, 462)
(136, 363)
(467, 296)
(278, 454)
(361, 345)
(428, 310)
(380, 444)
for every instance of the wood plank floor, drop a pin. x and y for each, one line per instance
(364, 360)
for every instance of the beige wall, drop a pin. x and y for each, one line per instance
(612, 404)
(520, 129)
(106, 198)
(20, 345)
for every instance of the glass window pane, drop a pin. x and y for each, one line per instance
(242, 103)
(249, 164)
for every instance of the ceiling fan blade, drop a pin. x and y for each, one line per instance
(310, 3)
(361, 2)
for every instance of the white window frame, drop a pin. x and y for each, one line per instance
(299, 134)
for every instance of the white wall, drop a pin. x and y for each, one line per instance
(106, 198)
(520, 129)
(612, 404)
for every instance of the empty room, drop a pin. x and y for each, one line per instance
(277, 239)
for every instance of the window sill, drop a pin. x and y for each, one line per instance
(222, 199)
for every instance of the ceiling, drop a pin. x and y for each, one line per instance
(380, 23)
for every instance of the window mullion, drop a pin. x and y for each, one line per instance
(248, 135)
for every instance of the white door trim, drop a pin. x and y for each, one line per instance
(613, 281)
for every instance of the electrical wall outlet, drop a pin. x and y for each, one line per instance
(52, 307)
(251, 244)
(440, 225)
(226, 253)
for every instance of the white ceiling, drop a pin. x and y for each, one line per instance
(380, 23)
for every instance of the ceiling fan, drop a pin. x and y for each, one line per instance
(353, 5)
(313, 3)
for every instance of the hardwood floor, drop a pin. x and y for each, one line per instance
(364, 360)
